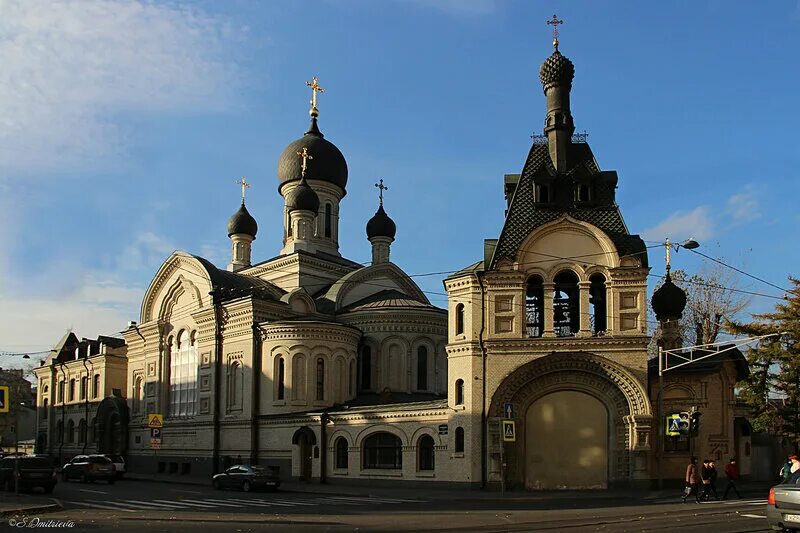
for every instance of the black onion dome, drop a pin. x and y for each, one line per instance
(242, 222)
(380, 225)
(303, 198)
(557, 70)
(668, 301)
(328, 163)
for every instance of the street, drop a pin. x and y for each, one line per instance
(151, 506)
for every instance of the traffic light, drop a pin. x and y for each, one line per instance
(684, 423)
(694, 426)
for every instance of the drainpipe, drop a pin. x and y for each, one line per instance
(323, 445)
(63, 413)
(86, 406)
(255, 403)
(215, 299)
(484, 432)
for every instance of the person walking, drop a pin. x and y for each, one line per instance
(712, 477)
(705, 477)
(786, 469)
(692, 480)
(732, 473)
(794, 471)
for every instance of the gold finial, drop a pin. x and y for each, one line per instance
(555, 22)
(305, 156)
(668, 248)
(381, 188)
(314, 88)
(244, 186)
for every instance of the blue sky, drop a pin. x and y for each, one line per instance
(123, 126)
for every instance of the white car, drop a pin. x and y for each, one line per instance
(119, 464)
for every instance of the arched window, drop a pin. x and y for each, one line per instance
(583, 193)
(352, 381)
(235, 386)
(280, 378)
(365, 374)
(96, 386)
(459, 440)
(534, 307)
(542, 194)
(328, 221)
(383, 450)
(82, 431)
(61, 391)
(340, 453)
(84, 386)
(59, 432)
(459, 392)
(459, 319)
(183, 376)
(92, 430)
(597, 304)
(566, 305)
(425, 453)
(138, 395)
(72, 390)
(422, 368)
(298, 387)
(70, 431)
(45, 410)
(320, 388)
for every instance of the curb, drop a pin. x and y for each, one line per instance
(49, 508)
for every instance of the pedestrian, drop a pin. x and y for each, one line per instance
(705, 477)
(692, 481)
(786, 470)
(712, 477)
(732, 473)
(794, 475)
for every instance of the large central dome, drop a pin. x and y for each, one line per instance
(326, 163)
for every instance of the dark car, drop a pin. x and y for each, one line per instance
(247, 478)
(30, 470)
(88, 468)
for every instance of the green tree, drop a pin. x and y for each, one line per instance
(773, 389)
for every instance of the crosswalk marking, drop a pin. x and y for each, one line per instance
(374, 500)
(184, 504)
(161, 505)
(99, 506)
(216, 502)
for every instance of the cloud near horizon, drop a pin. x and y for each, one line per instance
(71, 69)
(681, 225)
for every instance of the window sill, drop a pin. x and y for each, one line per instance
(377, 472)
(426, 473)
(457, 455)
(459, 407)
(279, 403)
(340, 472)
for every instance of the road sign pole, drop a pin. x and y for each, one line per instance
(500, 435)
(661, 419)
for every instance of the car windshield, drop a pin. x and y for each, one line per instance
(34, 462)
(99, 460)
(116, 458)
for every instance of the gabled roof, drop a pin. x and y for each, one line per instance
(524, 215)
(238, 284)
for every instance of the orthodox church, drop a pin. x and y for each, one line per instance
(536, 375)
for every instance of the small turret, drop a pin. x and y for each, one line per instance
(381, 231)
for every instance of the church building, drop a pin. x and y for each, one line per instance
(536, 376)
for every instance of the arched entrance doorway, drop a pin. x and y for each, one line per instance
(305, 439)
(111, 433)
(566, 442)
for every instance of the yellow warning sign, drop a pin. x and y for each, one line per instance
(509, 431)
(155, 420)
(4, 399)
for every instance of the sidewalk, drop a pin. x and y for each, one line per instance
(26, 504)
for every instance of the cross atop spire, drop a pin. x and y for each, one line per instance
(314, 88)
(381, 188)
(244, 186)
(305, 156)
(555, 21)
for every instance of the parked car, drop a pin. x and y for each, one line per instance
(783, 507)
(247, 478)
(88, 468)
(119, 465)
(29, 470)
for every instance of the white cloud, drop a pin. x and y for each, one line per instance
(743, 207)
(459, 7)
(681, 225)
(145, 252)
(72, 68)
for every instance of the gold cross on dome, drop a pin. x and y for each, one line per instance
(244, 186)
(555, 22)
(381, 187)
(305, 156)
(314, 88)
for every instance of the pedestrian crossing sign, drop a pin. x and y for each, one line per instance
(3, 399)
(155, 421)
(509, 431)
(674, 425)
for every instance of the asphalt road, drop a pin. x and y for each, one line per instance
(159, 507)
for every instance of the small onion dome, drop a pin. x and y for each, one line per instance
(557, 70)
(668, 301)
(242, 222)
(302, 198)
(328, 163)
(380, 225)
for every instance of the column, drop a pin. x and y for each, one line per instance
(549, 289)
(584, 309)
